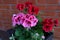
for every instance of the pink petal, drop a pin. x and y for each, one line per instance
(26, 24)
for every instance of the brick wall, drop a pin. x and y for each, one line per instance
(48, 8)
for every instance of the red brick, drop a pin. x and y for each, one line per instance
(41, 1)
(0, 24)
(58, 14)
(52, 14)
(42, 7)
(42, 17)
(7, 19)
(7, 23)
(7, 26)
(13, 7)
(2, 28)
(52, 1)
(58, 1)
(51, 7)
(56, 32)
(32, 1)
(14, 11)
(59, 18)
(4, 7)
(1, 1)
(5, 15)
(4, 11)
(9, 1)
(58, 7)
(22, 1)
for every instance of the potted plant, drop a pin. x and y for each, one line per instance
(28, 25)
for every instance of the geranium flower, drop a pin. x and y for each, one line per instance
(27, 15)
(27, 4)
(30, 9)
(27, 23)
(51, 22)
(48, 21)
(30, 21)
(27, 20)
(36, 10)
(45, 21)
(33, 20)
(13, 20)
(20, 7)
(47, 28)
(48, 25)
(56, 22)
(18, 19)
(33, 10)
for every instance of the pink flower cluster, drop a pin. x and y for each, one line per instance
(26, 20)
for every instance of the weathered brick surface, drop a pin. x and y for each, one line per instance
(51, 7)
(46, 13)
(57, 32)
(9, 1)
(48, 8)
(20, 1)
(1, 1)
(52, 1)
(58, 14)
(4, 7)
(42, 7)
(58, 7)
(41, 1)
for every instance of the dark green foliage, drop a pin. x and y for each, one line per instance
(34, 33)
(38, 17)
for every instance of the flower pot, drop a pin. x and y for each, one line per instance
(4, 35)
(48, 36)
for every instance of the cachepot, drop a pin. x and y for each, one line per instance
(48, 36)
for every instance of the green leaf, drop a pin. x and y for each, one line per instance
(17, 33)
(39, 18)
(12, 37)
(25, 10)
(24, 34)
(19, 30)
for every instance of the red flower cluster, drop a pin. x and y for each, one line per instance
(20, 7)
(48, 24)
(33, 10)
(30, 8)
(56, 22)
